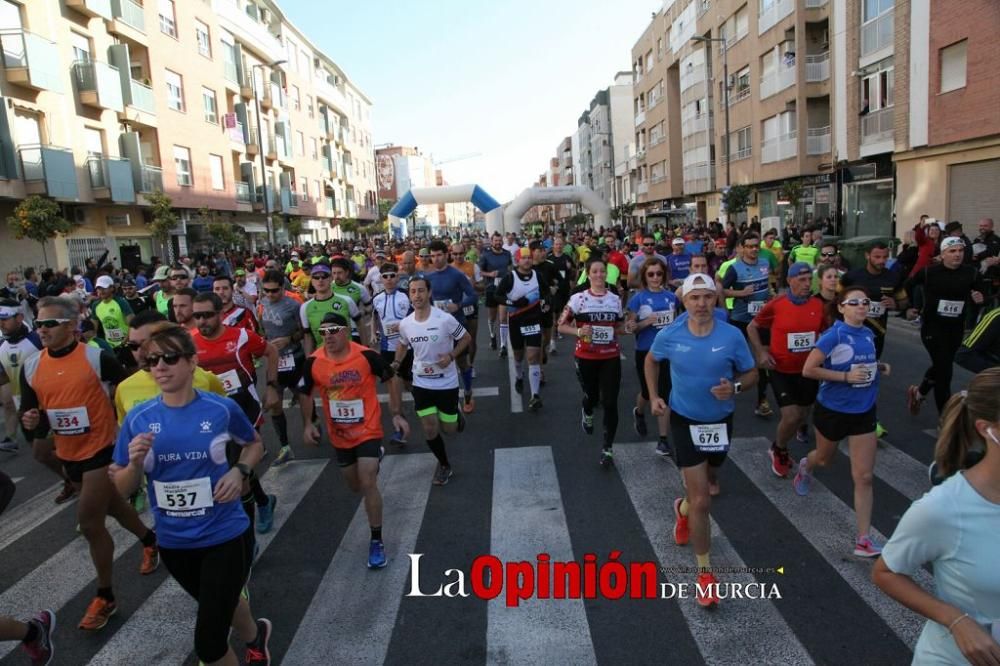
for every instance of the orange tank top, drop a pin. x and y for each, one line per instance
(350, 400)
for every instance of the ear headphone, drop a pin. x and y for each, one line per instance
(989, 431)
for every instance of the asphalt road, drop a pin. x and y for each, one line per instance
(524, 484)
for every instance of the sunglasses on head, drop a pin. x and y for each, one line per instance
(331, 330)
(320, 276)
(205, 315)
(51, 323)
(270, 291)
(854, 302)
(170, 358)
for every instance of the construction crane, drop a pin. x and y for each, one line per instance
(459, 158)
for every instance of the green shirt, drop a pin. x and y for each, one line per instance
(311, 314)
(113, 316)
(808, 254)
(723, 269)
(353, 291)
(614, 273)
(162, 303)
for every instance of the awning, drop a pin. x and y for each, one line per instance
(253, 227)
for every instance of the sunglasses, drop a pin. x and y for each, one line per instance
(388, 276)
(854, 302)
(829, 254)
(179, 277)
(51, 323)
(658, 274)
(755, 246)
(170, 358)
(205, 315)
(270, 291)
(649, 244)
(331, 330)
(320, 276)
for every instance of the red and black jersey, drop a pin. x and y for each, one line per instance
(230, 357)
(237, 317)
(603, 313)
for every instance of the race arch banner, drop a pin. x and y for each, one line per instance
(442, 195)
(540, 196)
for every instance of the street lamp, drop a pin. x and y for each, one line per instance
(260, 149)
(725, 86)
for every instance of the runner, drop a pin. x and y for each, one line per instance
(471, 312)
(546, 270)
(323, 301)
(494, 264)
(679, 263)
(245, 287)
(233, 315)
(67, 381)
(373, 279)
(135, 300)
(182, 307)
(34, 634)
(594, 317)
(648, 247)
(565, 277)
(845, 364)
(436, 340)
(344, 374)
(520, 297)
(806, 251)
(883, 288)
(981, 349)
(113, 313)
(390, 308)
(747, 282)
(794, 320)
(649, 311)
(341, 271)
(279, 314)
(947, 288)
(712, 361)
(161, 299)
(175, 441)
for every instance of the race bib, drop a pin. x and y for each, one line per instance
(427, 370)
(602, 335)
(534, 329)
(950, 308)
(286, 363)
(496, 281)
(69, 421)
(663, 317)
(392, 330)
(184, 499)
(876, 309)
(347, 411)
(230, 381)
(469, 310)
(442, 305)
(114, 335)
(753, 307)
(871, 369)
(801, 342)
(710, 438)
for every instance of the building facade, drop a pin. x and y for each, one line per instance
(223, 105)
(402, 168)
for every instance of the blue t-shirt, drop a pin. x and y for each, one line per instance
(189, 444)
(846, 346)
(680, 265)
(490, 261)
(662, 304)
(451, 286)
(742, 275)
(698, 363)
(695, 247)
(203, 284)
(141, 282)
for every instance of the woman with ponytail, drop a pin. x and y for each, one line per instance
(955, 528)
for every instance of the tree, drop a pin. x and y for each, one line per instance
(579, 219)
(736, 199)
(791, 191)
(163, 217)
(349, 225)
(40, 220)
(294, 228)
(384, 206)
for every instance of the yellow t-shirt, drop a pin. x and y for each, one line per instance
(141, 387)
(583, 253)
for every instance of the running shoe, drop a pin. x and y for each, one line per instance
(535, 403)
(639, 421)
(98, 613)
(763, 409)
(866, 546)
(257, 653)
(681, 532)
(781, 462)
(493, 342)
(150, 560)
(265, 515)
(41, 650)
(470, 404)
(66, 493)
(376, 554)
(397, 438)
(880, 431)
(587, 422)
(802, 434)
(519, 384)
(803, 479)
(8, 445)
(503, 352)
(441, 475)
(914, 401)
(663, 449)
(553, 350)
(285, 455)
(706, 592)
(607, 458)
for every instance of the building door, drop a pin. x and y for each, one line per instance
(868, 208)
(973, 193)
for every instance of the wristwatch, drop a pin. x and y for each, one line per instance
(737, 388)
(244, 469)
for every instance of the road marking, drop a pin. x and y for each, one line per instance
(902, 472)
(353, 611)
(18, 479)
(528, 519)
(730, 637)
(477, 392)
(170, 606)
(932, 433)
(828, 524)
(30, 514)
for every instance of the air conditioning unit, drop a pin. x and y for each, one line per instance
(119, 220)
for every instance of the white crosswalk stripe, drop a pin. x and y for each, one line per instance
(900, 471)
(25, 517)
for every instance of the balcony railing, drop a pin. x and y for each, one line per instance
(657, 179)
(738, 95)
(694, 124)
(779, 148)
(773, 83)
(640, 117)
(31, 60)
(243, 192)
(642, 188)
(878, 33)
(741, 154)
(98, 176)
(653, 102)
(236, 20)
(142, 97)
(814, 4)
(698, 177)
(691, 76)
(818, 67)
(657, 140)
(703, 7)
(770, 16)
(130, 13)
(877, 126)
(151, 178)
(818, 140)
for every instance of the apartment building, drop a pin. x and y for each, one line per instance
(222, 104)
(400, 169)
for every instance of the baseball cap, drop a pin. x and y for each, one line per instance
(239, 271)
(320, 268)
(799, 268)
(128, 282)
(697, 281)
(380, 253)
(677, 241)
(424, 252)
(162, 273)
(104, 282)
(334, 318)
(952, 241)
(295, 255)
(952, 226)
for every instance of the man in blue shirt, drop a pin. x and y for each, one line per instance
(679, 262)
(452, 291)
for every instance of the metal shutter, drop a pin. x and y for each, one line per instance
(974, 193)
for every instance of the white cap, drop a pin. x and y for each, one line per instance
(104, 282)
(952, 241)
(677, 241)
(697, 281)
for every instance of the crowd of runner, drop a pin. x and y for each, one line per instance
(149, 388)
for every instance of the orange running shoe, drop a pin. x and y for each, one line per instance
(706, 593)
(98, 613)
(150, 560)
(469, 406)
(681, 524)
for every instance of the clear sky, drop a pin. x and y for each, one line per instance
(504, 78)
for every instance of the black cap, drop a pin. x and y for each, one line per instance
(535, 245)
(952, 226)
(334, 318)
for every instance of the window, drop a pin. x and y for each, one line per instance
(740, 140)
(175, 90)
(300, 143)
(318, 189)
(182, 164)
(294, 94)
(304, 67)
(204, 41)
(211, 110)
(309, 105)
(877, 90)
(168, 20)
(315, 150)
(953, 61)
(218, 179)
(872, 9)
(81, 47)
(304, 187)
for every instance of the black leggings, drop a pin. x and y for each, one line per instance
(214, 576)
(7, 488)
(941, 346)
(601, 380)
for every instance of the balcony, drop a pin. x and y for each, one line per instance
(703, 6)
(270, 148)
(773, 83)
(150, 178)
(818, 140)
(640, 117)
(877, 34)
(265, 100)
(698, 177)
(642, 188)
(31, 60)
(248, 29)
(99, 85)
(818, 67)
(653, 102)
(739, 95)
(694, 124)
(330, 205)
(231, 72)
(877, 126)
(778, 10)
(243, 192)
(289, 200)
(92, 8)
(128, 21)
(49, 170)
(237, 138)
(657, 179)
(252, 145)
(111, 178)
(140, 105)
(779, 148)
(328, 91)
(246, 81)
(367, 213)
(741, 154)
(691, 76)
(816, 4)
